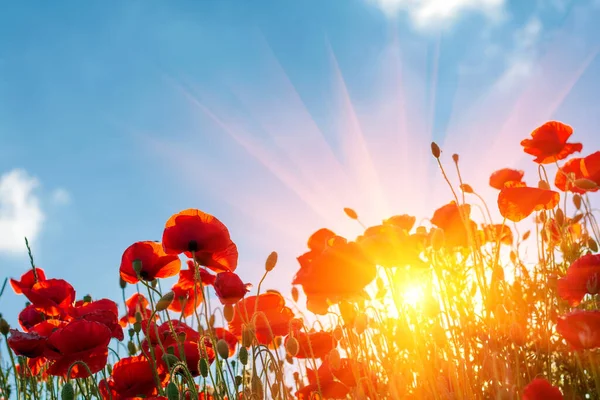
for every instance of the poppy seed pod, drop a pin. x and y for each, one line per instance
(455, 158)
(67, 392)
(271, 261)
(165, 301)
(223, 349)
(435, 150)
(137, 266)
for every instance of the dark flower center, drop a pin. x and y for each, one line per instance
(144, 275)
(193, 245)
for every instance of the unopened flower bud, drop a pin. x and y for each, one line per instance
(465, 187)
(137, 327)
(138, 317)
(131, 348)
(543, 185)
(351, 213)
(4, 327)
(455, 157)
(592, 245)
(435, 150)
(170, 359)
(577, 201)
(291, 346)
(247, 335)
(203, 367)
(585, 184)
(560, 217)
(67, 392)
(228, 312)
(295, 294)
(172, 391)
(243, 355)
(223, 349)
(122, 283)
(165, 301)
(271, 261)
(338, 333)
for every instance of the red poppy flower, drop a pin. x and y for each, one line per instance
(154, 261)
(582, 277)
(501, 177)
(190, 351)
(136, 303)
(351, 372)
(403, 221)
(53, 296)
(495, 232)
(267, 312)
(323, 266)
(104, 311)
(581, 329)
(30, 317)
(186, 300)
(541, 389)
(572, 169)
(228, 337)
(32, 344)
(186, 277)
(518, 202)
(590, 167)
(313, 344)
(27, 280)
(391, 246)
(131, 377)
(230, 288)
(208, 238)
(454, 220)
(326, 385)
(548, 143)
(80, 340)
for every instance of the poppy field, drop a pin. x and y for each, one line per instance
(448, 308)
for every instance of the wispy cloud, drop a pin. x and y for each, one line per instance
(428, 13)
(61, 197)
(520, 60)
(20, 211)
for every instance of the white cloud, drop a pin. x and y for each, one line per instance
(521, 60)
(429, 13)
(20, 211)
(61, 197)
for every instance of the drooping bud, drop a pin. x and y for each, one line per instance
(465, 187)
(228, 312)
(543, 185)
(592, 245)
(585, 184)
(223, 349)
(560, 217)
(211, 321)
(435, 150)
(203, 367)
(291, 346)
(351, 213)
(137, 327)
(138, 317)
(247, 335)
(243, 355)
(455, 158)
(122, 283)
(295, 294)
(577, 201)
(170, 359)
(271, 261)
(165, 301)
(238, 380)
(172, 391)
(67, 392)
(131, 348)
(4, 327)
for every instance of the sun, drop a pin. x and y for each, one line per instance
(412, 295)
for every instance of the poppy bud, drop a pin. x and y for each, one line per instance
(335, 361)
(4, 327)
(291, 346)
(585, 184)
(165, 301)
(170, 359)
(577, 201)
(131, 332)
(238, 380)
(131, 348)
(243, 355)
(228, 312)
(351, 213)
(172, 391)
(271, 261)
(593, 246)
(361, 323)
(465, 187)
(247, 335)
(109, 368)
(223, 349)
(203, 367)
(455, 158)
(122, 283)
(67, 392)
(137, 327)
(338, 333)
(576, 219)
(526, 235)
(137, 266)
(211, 321)
(295, 294)
(435, 150)
(560, 217)
(543, 185)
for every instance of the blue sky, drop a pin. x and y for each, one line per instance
(271, 115)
